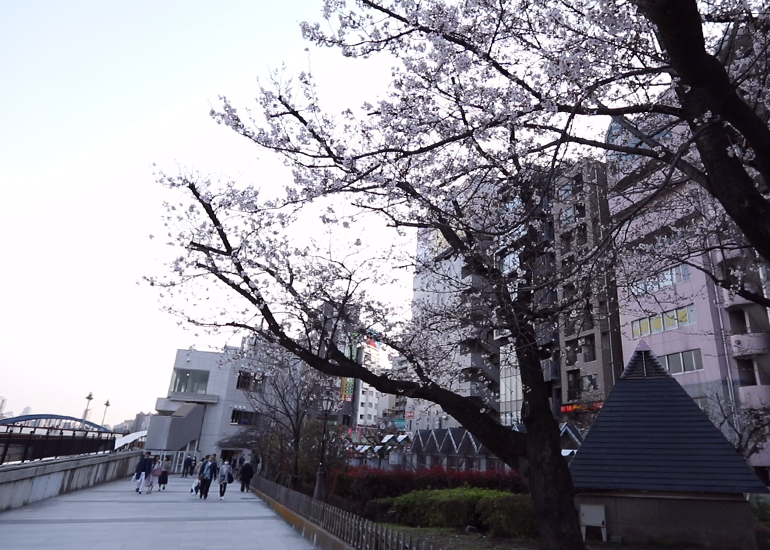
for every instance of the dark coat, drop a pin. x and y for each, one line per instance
(144, 465)
(188, 462)
(247, 472)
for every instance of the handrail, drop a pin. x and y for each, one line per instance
(359, 532)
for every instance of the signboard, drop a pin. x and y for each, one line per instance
(348, 389)
(409, 415)
(580, 407)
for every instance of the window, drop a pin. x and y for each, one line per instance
(248, 381)
(668, 320)
(666, 278)
(239, 417)
(685, 361)
(746, 373)
(570, 188)
(360, 416)
(588, 347)
(588, 383)
(573, 385)
(189, 381)
(572, 351)
(581, 235)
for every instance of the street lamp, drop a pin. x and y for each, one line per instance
(107, 404)
(327, 404)
(89, 398)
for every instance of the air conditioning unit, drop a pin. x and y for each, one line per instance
(500, 333)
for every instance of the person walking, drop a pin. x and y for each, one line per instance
(198, 475)
(143, 470)
(165, 466)
(187, 466)
(209, 472)
(154, 474)
(225, 477)
(247, 472)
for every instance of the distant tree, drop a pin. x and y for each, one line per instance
(747, 428)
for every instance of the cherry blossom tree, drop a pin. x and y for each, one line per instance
(490, 104)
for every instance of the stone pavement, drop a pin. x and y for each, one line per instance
(114, 517)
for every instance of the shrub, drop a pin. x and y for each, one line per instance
(364, 484)
(376, 510)
(507, 515)
(441, 508)
(762, 534)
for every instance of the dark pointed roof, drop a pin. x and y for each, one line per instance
(651, 436)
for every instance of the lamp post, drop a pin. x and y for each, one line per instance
(89, 398)
(327, 403)
(107, 404)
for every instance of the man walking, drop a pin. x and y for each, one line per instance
(247, 472)
(143, 471)
(187, 466)
(209, 472)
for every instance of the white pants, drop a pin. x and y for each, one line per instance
(140, 482)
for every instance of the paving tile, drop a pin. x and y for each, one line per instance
(114, 517)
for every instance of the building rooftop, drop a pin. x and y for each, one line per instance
(651, 436)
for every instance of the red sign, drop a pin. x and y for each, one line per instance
(582, 407)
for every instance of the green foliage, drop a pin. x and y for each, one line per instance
(376, 510)
(360, 485)
(507, 515)
(441, 508)
(761, 508)
(499, 513)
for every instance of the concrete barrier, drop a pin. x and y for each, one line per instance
(27, 483)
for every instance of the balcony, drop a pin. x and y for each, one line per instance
(205, 398)
(750, 344)
(754, 396)
(733, 301)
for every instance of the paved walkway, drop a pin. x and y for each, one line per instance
(114, 517)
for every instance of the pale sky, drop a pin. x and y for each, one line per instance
(92, 93)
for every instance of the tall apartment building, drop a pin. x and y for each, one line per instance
(583, 343)
(714, 343)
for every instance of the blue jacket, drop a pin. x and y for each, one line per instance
(209, 470)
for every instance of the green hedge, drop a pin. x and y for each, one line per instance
(361, 485)
(498, 513)
(508, 516)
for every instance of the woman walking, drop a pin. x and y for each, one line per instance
(164, 469)
(225, 477)
(156, 471)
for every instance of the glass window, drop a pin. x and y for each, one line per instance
(674, 363)
(189, 381)
(644, 324)
(669, 320)
(682, 317)
(691, 318)
(691, 360)
(656, 324)
(682, 273)
(636, 331)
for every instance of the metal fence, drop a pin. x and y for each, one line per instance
(360, 533)
(23, 443)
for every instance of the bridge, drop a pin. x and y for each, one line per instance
(112, 516)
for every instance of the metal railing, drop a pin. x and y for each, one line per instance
(360, 533)
(23, 443)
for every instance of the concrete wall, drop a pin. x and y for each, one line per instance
(27, 483)
(712, 523)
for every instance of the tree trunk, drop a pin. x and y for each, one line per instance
(550, 481)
